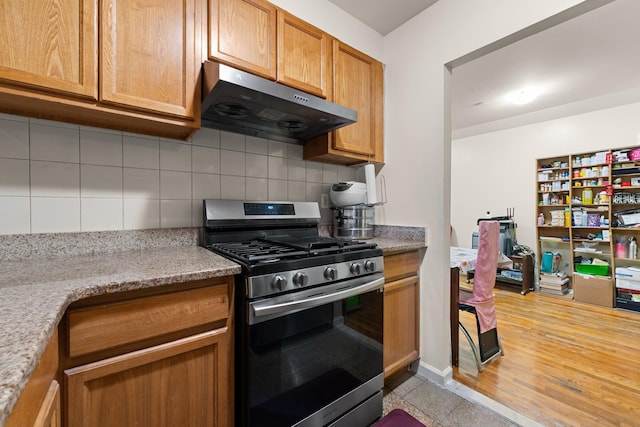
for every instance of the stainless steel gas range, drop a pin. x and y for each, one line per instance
(308, 316)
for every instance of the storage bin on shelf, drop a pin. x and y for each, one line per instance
(628, 288)
(596, 290)
(593, 269)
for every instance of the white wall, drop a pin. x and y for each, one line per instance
(497, 170)
(416, 135)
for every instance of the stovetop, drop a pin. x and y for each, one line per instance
(286, 248)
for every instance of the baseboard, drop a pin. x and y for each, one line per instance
(440, 377)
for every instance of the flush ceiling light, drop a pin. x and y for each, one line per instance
(524, 95)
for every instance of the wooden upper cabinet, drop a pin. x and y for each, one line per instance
(242, 33)
(149, 55)
(357, 84)
(49, 44)
(304, 56)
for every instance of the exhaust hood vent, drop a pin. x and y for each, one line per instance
(240, 102)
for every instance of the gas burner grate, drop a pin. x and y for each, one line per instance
(257, 251)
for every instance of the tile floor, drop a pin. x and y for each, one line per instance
(437, 406)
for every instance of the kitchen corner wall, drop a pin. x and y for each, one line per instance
(57, 177)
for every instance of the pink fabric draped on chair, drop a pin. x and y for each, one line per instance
(485, 276)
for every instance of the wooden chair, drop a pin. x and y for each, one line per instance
(481, 301)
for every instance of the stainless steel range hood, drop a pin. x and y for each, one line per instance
(240, 102)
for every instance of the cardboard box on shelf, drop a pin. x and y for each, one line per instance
(596, 290)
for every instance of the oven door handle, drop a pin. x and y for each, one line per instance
(291, 306)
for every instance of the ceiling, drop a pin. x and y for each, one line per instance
(583, 64)
(383, 16)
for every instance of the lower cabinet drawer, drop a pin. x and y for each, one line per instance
(112, 325)
(401, 265)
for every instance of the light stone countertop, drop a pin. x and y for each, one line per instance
(34, 294)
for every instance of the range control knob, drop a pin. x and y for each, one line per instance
(330, 273)
(300, 279)
(279, 283)
(369, 265)
(356, 268)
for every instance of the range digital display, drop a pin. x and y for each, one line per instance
(269, 209)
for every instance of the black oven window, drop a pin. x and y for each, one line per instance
(303, 361)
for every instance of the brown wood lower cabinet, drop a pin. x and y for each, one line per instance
(146, 358)
(49, 415)
(180, 383)
(39, 403)
(156, 357)
(401, 311)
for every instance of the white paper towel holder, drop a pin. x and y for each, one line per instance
(370, 182)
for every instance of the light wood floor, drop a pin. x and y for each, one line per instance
(565, 363)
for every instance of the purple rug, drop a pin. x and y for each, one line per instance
(398, 418)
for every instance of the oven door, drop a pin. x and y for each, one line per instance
(310, 357)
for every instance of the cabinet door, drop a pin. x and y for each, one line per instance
(401, 321)
(357, 84)
(148, 55)
(49, 45)
(304, 56)
(180, 383)
(49, 414)
(242, 33)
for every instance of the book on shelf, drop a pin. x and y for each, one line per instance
(559, 278)
(563, 291)
(553, 285)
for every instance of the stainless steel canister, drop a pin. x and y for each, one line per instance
(355, 222)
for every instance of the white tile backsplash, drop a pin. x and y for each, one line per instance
(141, 152)
(58, 177)
(294, 151)
(297, 170)
(54, 179)
(141, 183)
(297, 191)
(101, 214)
(232, 141)
(278, 189)
(314, 172)
(206, 186)
(54, 143)
(257, 166)
(277, 168)
(205, 159)
(100, 148)
(257, 145)
(175, 157)
(314, 191)
(15, 214)
(175, 213)
(232, 163)
(100, 181)
(277, 149)
(175, 185)
(141, 214)
(14, 139)
(329, 174)
(14, 177)
(347, 174)
(207, 138)
(257, 188)
(232, 187)
(55, 215)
